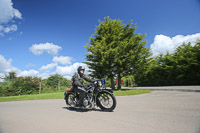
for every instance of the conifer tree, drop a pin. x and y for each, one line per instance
(115, 50)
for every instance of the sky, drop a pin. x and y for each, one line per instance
(47, 37)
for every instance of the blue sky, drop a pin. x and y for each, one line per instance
(45, 37)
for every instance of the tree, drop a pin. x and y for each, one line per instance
(179, 68)
(188, 64)
(10, 77)
(55, 81)
(115, 50)
(24, 85)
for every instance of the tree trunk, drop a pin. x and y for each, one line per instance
(119, 82)
(131, 82)
(40, 87)
(112, 83)
(59, 85)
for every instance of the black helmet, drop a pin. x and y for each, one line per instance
(80, 68)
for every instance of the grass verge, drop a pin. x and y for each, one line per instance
(125, 92)
(60, 95)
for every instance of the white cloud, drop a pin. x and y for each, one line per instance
(10, 28)
(7, 15)
(64, 60)
(48, 67)
(17, 14)
(7, 29)
(44, 75)
(2, 76)
(6, 65)
(28, 73)
(50, 48)
(8, 12)
(44, 72)
(163, 44)
(68, 71)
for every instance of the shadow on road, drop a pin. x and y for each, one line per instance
(75, 109)
(82, 110)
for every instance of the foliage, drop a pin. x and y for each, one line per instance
(32, 85)
(179, 68)
(24, 85)
(129, 81)
(55, 81)
(4, 86)
(115, 50)
(10, 76)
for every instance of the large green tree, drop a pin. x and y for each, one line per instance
(115, 50)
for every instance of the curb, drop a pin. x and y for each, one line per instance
(183, 90)
(164, 89)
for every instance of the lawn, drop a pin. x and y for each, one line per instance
(60, 95)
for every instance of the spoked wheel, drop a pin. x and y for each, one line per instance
(71, 99)
(106, 101)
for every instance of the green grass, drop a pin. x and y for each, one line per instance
(60, 95)
(125, 92)
(57, 95)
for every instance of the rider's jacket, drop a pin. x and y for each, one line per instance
(77, 80)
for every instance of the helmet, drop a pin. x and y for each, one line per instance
(80, 68)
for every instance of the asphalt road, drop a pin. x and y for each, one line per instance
(157, 112)
(170, 88)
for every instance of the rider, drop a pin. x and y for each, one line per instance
(77, 83)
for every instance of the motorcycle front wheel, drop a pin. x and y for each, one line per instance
(106, 101)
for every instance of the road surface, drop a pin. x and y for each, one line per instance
(157, 112)
(170, 88)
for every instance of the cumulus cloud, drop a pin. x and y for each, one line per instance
(31, 73)
(17, 14)
(6, 65)
(2, 76)
(48, 67)
(9, 28)
(7, 16)
(64, 60)
(50, 48)
(44, 72)
(68, 71)
(163, 44)
(8, 12)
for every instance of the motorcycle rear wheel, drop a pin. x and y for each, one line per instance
(71, 100)
(106, 101)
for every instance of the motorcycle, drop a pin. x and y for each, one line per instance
(96, 95)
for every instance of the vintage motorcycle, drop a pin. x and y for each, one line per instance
(96, 95)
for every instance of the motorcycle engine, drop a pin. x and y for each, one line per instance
(85, 102)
